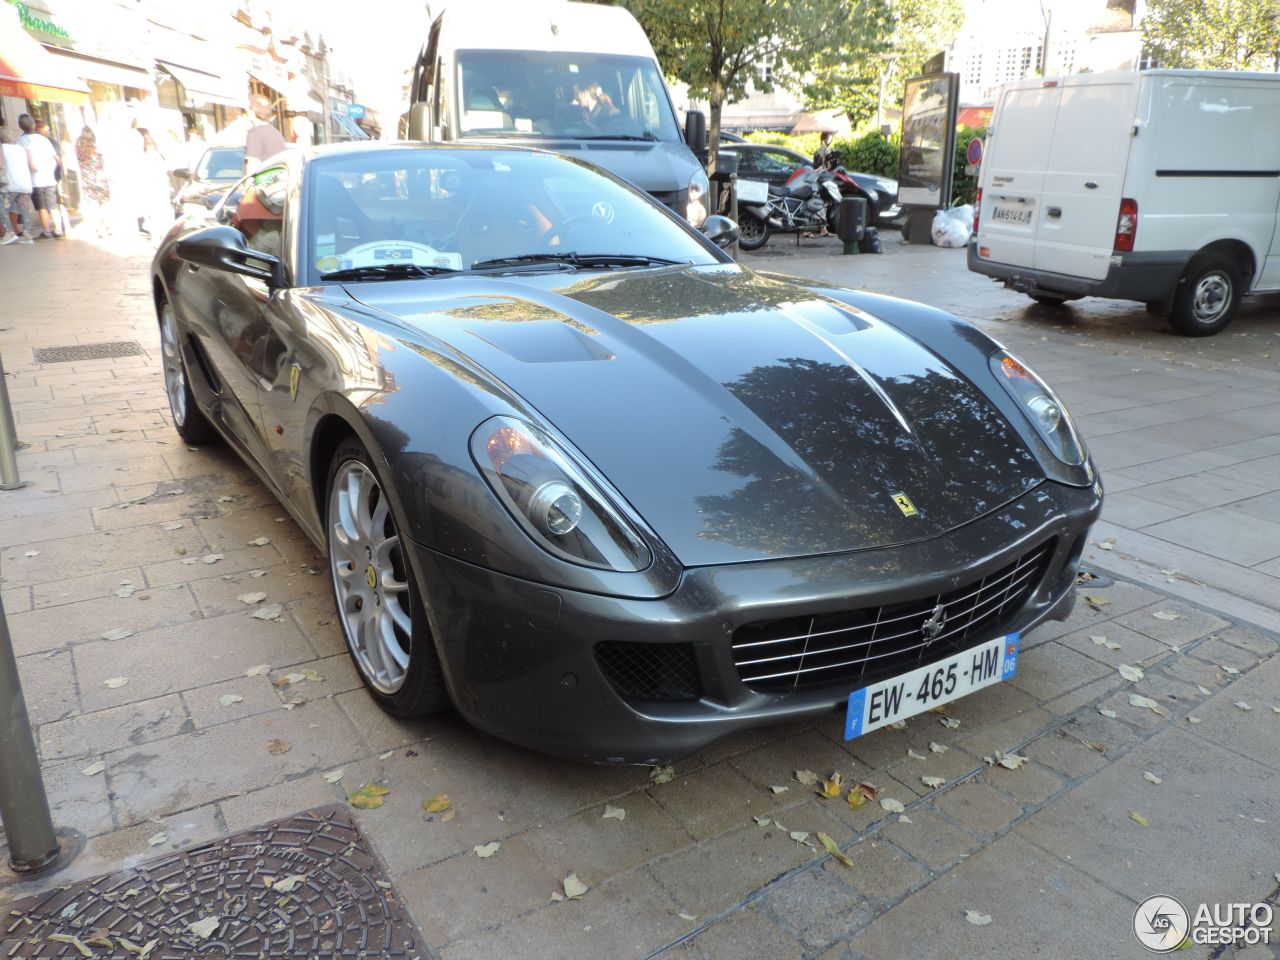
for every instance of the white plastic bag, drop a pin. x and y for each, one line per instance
(952, 228)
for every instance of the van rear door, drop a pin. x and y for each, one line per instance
(1084, 178)
(1013, 173)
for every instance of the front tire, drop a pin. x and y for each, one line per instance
(1207, 296)
(753, 233)
(188, 419)
(380, 605)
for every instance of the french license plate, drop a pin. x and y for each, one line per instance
(1016, 215)
(924, 688)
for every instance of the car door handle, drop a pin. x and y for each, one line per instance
(1053, 211)
(1090, 185)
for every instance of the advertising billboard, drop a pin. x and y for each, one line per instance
(928, 140)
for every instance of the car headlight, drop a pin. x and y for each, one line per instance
(699, 187)
(1041, 405)
(554, 499)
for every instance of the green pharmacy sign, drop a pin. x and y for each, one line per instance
(35, 24)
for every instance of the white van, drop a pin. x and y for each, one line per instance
(577, 78)
(1161, 186)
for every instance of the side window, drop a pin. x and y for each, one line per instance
(776, 162)
(256, 208)
(748, 162)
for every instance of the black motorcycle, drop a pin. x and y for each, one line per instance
(810, 201)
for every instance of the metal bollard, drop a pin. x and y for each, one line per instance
(8, 439)
(24, 806)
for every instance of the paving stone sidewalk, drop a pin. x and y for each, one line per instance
(108, 574)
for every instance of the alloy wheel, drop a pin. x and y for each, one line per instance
(175, 377)
(370, 577)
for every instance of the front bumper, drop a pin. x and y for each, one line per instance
(1131, 276)
(519, 661)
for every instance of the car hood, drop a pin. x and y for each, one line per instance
(745, 418)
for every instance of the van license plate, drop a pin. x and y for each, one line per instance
(1017, 215)
(924, 688)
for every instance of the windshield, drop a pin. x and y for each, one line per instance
(221, 163)
(538, 94)
(450, 208)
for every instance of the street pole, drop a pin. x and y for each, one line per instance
(8, 439)
(24, 806)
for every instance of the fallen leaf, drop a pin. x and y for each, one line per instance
(949, 722)
(73, 941)
(613, 813)
(211, 558)
(228, 699)
(892, 805)
(1138, 700)
(1243, 706)
(486, 850)
(831, 788)
(115, 683)
(93, 769)
(258, 671)
(1230, 670)
(381, 756)
(687, 916)
(807, 777)
(898, 725)
(1107, 712)
(1204, 691)
(225, 499)
(1275, 709)
(1166, 615)
(799, 836)
(656, 775)
(1104, 642)
(333, 776)
(119, 633)
(762, 819)
(32, 553)
(938, 747)
(1151, 777)
(437, 804)
(288, 884)
(1193, 720)
(257, 573)
(777, 790)
(573, 887)
(157, 839)
(260, 542)
(277, 746)
(271, 611)
(126, 591)
(1139, 819)
(976, 918)
(557, 896)
(916, 756)
(861, 793)
(368, 797)
(314, 677)
(1132, 674)
(174, 525)
(830, 846)
(933, 783)
(252, 598)
(203, 929)
(1096, 601)
(1011, 761)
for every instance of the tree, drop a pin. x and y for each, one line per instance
(1214, 34)
(720, 47)
(863, 86)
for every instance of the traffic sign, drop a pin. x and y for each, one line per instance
(355, 111)
(974, 153)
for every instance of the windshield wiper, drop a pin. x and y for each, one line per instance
(572, 259)
(619, 136)
(387, 271)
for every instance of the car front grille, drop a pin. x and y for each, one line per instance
(650, 671)
(880, 641)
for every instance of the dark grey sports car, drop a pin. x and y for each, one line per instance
(605, 491)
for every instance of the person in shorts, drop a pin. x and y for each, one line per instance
(44, 176)
(15, 191)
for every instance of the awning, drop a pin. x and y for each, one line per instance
(348, 126)
(29, 71)
(207, 87)
(101, 72)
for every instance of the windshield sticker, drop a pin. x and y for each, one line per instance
(328, 264)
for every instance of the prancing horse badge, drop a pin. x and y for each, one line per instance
(295, 374)
(904, 504)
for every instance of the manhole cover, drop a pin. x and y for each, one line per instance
(87, 351)
(333, 901)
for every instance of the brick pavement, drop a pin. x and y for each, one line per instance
(112, 534)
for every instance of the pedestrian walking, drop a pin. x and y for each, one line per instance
(263, 140)
(44, 179)
(154, 196)
(15, 191)
(58, 213)
(95, 191)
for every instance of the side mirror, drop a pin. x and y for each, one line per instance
(182, 173)
(420, 120)
(223, 248)
(721, 231)
(695, 132)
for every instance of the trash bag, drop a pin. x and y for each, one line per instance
(953, 227)
(870, 242)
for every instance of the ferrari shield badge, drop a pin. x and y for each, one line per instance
(904, 504)
(295, 374)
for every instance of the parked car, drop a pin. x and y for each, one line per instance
(777, 165)
(552, 497)
(578, 78)
(205, 186)
(1176, 208)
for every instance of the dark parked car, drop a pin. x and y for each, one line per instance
(607, 492)
(777, 165)
(218, 169)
